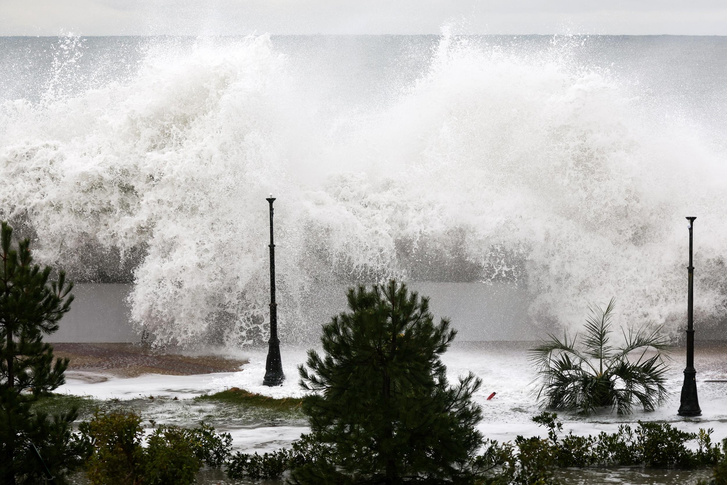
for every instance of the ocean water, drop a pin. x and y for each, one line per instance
(560, 167)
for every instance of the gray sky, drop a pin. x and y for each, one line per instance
(236, 17)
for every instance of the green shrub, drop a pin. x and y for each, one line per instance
(303, 453)
(526, 461)
(719, 468)
(659, 445)
(497, 464)
(209, 446)
(170, 457)
(117, 457)
(537, 461)
(576, 451)
(614, 449)
(259, 467)
(652, 445)
(173, 455)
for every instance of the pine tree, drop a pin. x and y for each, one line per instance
(31, 304)
(381, 404)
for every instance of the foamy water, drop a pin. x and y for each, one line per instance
(503, 367)
(563, 167)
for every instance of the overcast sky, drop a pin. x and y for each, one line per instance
(236, 17)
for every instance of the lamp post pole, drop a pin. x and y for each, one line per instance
(689, 396)
(273, 369)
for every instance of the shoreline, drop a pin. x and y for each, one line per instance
(134, 359)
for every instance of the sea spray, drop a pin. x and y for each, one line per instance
(476, 160)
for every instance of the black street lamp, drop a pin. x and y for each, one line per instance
(273, 369)
(689, 396)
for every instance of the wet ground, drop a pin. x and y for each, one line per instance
(132, 360)
(161, 386)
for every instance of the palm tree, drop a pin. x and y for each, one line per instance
(598, 375)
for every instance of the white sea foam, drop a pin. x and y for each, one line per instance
(472, 161)
(503, 368)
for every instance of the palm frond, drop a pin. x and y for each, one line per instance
(643, 383)
(639, 339)
(597, 327)
(542, 354)
(563, 390)
(561, 376)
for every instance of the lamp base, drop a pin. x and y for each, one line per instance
(273, 368)
(689, 396)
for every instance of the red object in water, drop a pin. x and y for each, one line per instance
(491, 397)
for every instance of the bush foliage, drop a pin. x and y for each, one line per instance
(532, 460)
(172, 455)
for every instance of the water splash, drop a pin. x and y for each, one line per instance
(509, 162)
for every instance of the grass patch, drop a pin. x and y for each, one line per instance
(60, 403)
(234, 406)
(241, 397)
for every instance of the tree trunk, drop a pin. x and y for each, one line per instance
(9, 457)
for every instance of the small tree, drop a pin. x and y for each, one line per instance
(31, 304)
(381, 404)
(595, 374)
